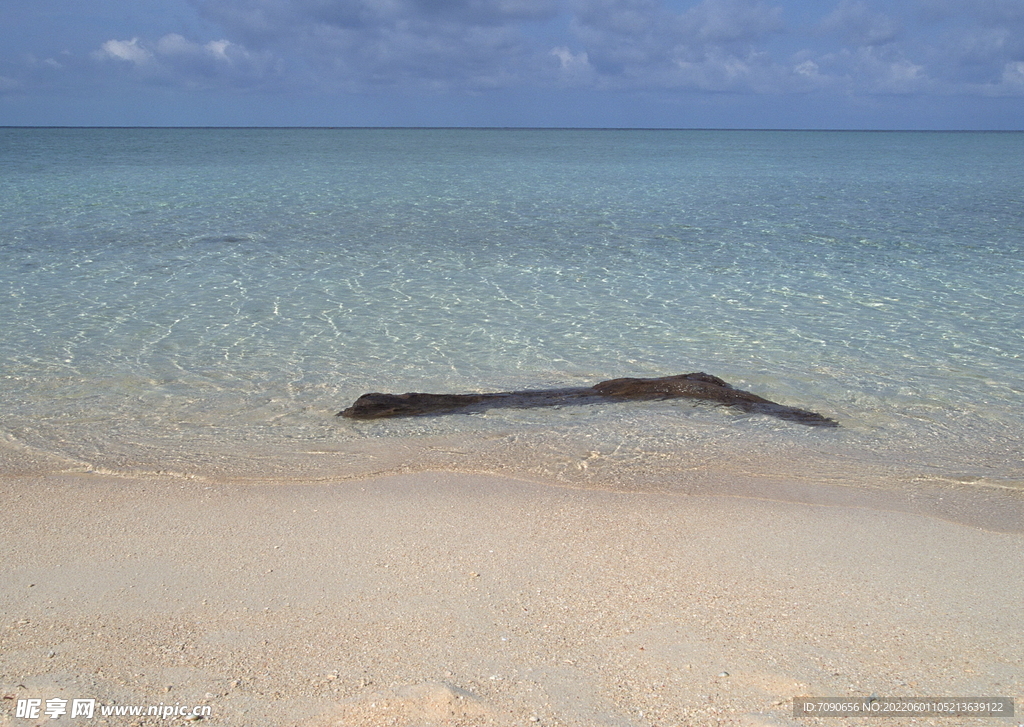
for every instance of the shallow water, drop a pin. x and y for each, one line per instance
(203, 301)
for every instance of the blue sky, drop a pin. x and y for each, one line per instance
(846, 64)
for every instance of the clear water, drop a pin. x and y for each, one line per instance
(204, 301)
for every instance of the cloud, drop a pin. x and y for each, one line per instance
(1013, 73)
(712, 46)
(943, 47)
(888, 72)
(859, 25)
(574, 69)
(175, 60)
(126, 50)
(362, 45)
(765, 47)
(452, 46)
(482, 12)
(979, 45)
(277, 23)
(984, 12)
(732, 21)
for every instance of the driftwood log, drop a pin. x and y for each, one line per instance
(696, 386)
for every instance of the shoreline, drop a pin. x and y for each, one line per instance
(809, 472)
(469, 599)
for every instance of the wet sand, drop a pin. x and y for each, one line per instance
(461, 599)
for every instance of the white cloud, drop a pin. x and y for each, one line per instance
(860, 25)
(574, 68)
(902, 76)
(743, 46)
(872, 71)
(125, 50)
(945, 47)
(570, 60)
(175, 60)
(714, 45)
(217, 50)
(737, 46)
(174, 44)
(728, 21)
(807, 68)
(360, 45)
(1013, 74)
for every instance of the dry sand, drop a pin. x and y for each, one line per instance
(459, 599)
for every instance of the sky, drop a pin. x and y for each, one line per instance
(804, 64)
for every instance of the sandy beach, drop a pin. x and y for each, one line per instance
(460, 599)
(189, 527)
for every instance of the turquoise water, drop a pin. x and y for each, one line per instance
(203, 301)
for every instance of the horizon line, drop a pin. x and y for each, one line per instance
(506, 128)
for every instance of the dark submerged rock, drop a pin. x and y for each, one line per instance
(696, 386)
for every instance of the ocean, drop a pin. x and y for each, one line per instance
(203, 302)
